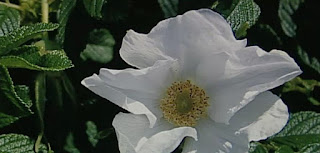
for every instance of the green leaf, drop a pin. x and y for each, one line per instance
(63, 14)
(169, 7)
(303, 129)
(303, 86)
(311, 148)
(7, 119)
(297, 141)
(9, 20)
(92, 133)
(312, 62)
(24, 93)
(100, 47)
(17, 105)
(301, 123)
(16, 143)
(241, 15)
(30, 57)
(22, 35)
(69, 145)
(286, 9)
(284, 149)
(94, 7)
(40, 100)
(256, 147)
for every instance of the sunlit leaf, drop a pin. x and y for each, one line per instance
(17, 143)
(242, 15)
(100, 46)
(63, 14)
(169, 7)
(9, 20)
(30, 57)
(285, 11)
(22, 35)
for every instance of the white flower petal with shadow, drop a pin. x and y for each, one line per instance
(194, 82)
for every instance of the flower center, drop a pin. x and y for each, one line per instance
(184, 103)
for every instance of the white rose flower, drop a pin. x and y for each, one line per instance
(196, 82)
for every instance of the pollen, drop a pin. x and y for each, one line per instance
(184, 103)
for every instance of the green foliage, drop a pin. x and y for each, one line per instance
(311, 148)
(94, 7)
(16, 104)
(302, 133)
(70, 146)
(256, 147)
(6, 119)
(9, 20)
(169, 7)
(303, 86)
(100, 46)
(312, 62)
(285, 11)
(30, 57)
(22, 35)
(302, 123)
(242, 15)
(92, 132)
(40, 100)
(17, 143)
(66, 6)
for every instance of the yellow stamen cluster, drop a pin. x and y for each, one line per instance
(184, 103)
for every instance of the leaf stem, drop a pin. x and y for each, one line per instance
(45, 11)
(14, 6)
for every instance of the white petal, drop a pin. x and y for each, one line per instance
(187, 37)
(211, 69)
(135, 135)
(138, 91)
(140, 51)
(265, 116)
(249, 72)
(216, 137)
